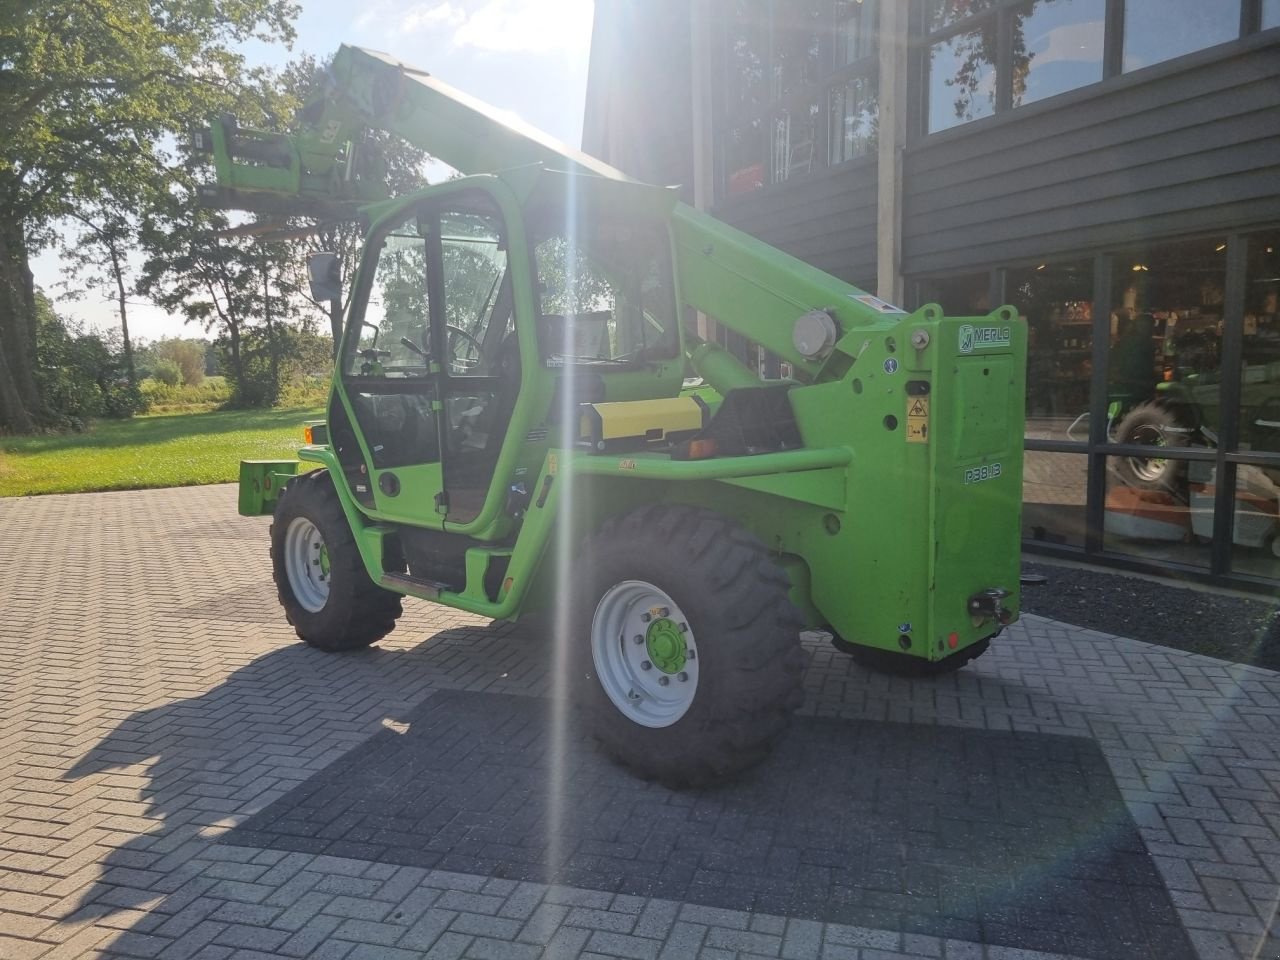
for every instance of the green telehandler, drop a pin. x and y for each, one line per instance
(513, 431)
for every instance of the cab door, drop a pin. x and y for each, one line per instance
(390, 382)
(473, 327)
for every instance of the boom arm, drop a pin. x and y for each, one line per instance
(787, 306)
(318, 170)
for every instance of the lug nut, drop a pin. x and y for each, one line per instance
(684, 628)
(691, 654)
(664, 612)
(663, 681)
(683, 677)
(638, 638)
(646, 617)
(646, 665)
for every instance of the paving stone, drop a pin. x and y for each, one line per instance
(155, 717)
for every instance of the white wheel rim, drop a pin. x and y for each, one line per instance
(306, 564)
(652, 680)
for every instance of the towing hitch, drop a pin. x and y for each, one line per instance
(989, 605)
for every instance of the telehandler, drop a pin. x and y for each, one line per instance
(511, 431)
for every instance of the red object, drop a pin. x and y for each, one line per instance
(953, 641)
(747, 179)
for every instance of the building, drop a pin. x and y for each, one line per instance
(1110, 167)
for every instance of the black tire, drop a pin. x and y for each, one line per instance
(1150, 424)
(356, 612)
(748, 642)
(903, 665)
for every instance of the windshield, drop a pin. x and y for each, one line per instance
(604, 292)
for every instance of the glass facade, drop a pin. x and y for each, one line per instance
(1054, 487)
(1056, 302)
(1159, 30)
(1153, 381)
(1057, 46)
(983, 57)
(962, 78)
(797, 92)
(1260, 348)
(1187, 447)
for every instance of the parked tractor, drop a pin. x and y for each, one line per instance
(522, 423)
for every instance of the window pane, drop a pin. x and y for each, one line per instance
(962, 78)
(797, 46)
(747, 56)
(1270, 13)
(1053, 497)
(1260, 370)
(1157, 30)
(855, 30)
(477, 310)
(1165, 370)
(396, 308)
(943, 13)
(1257, 504)
(853, 121)
(794, 133)
(968, 295)
(604, 292)
(1168, 524)
(1057, 46)
(745, 153)
(1056, 301)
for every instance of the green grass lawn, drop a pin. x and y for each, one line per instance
(173, 450)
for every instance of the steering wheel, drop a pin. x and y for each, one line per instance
(371, 367)
(463, 364)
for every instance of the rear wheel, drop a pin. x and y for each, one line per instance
(904, 665)
(690, 644)
(321, 581)
(1151, 425)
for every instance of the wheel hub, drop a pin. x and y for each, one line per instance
(306, 563)
(644, 653)
(665, 642)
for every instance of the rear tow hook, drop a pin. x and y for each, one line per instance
(989, 605)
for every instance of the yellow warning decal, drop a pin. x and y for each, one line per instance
(917, 419)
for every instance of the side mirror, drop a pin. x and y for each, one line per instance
(325, 276)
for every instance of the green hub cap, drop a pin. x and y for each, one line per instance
(324, 559)
(665, 643)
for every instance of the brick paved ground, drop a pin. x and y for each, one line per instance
(152, 701)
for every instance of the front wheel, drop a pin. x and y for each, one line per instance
(321, 581)
(691, 644)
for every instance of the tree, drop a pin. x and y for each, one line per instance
(228, 281)
(88, 91)
(188, 356)
(98, 256)
(403, 164)
(81, 373)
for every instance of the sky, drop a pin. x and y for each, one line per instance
(526, 56)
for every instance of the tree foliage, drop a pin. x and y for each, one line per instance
(82, 374)
(90, 90)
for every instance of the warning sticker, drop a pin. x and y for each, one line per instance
(917, 419)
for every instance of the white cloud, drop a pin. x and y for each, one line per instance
(426, 16)
(534, 26)
(500, 26)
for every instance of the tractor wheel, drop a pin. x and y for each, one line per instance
(689, 643)
(1151, 425)
(902, 665)
(322, 583)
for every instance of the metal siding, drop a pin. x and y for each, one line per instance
(1189, 150)
(828, 219)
